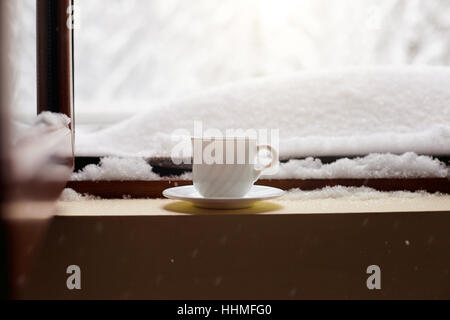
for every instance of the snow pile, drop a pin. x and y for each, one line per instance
(351, 194)
(22, 129)
(338, 112)
(337, 192)
(70, 195)
(111, 168)
(51, 119)
(120, 169)
(408, 165)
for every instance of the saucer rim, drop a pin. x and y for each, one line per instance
(223, 199)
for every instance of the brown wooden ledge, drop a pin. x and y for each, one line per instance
(242, 256)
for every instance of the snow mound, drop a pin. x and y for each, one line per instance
(351, 194)
(111, 168)
(323, 113)
(21, 128)
(120, 169)
(52, 119)
(408, 165)
(70, 195)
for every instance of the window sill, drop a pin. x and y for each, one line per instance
(267, 256)
(165, 207)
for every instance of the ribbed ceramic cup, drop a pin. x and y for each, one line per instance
(225, 167)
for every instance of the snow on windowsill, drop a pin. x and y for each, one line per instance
(329, 193)
(408, 165)
(28, 125)
(352, 194)
(349, 111)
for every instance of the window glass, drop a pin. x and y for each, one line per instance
(132, 55)
(22, 57)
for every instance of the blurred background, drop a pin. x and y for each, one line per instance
(132, 55)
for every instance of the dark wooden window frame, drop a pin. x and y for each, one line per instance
(54, 57)
(55, 93)
(36, 169)
(165, 167)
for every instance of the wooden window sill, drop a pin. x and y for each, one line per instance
(133, 249)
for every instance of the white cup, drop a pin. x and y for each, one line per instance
(225, 167)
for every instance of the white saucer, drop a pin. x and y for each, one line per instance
(256, 193)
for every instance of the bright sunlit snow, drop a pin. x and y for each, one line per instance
(114, 168)
(338, 192)
(408, 165)
(352, 194)
(70, 195)
(341, 112)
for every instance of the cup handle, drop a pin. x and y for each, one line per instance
(274, 156)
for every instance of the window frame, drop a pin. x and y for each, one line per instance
(55, 47)
(37, 167)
